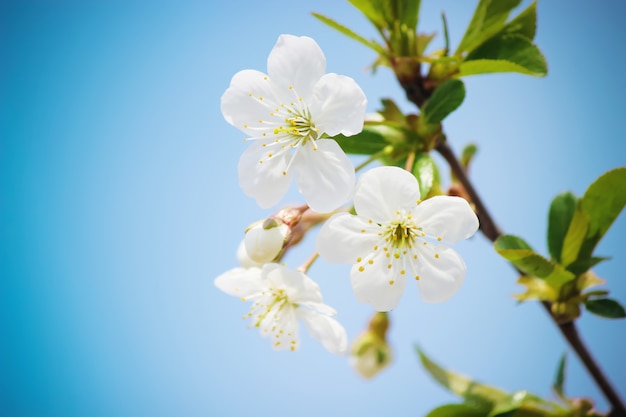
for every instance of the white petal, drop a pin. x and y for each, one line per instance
(264, 245)
(327, 330)
(297, 286)
(450, 218)
(439, 277)
(338, 105)
(243, 258)
(240, 282)
(247, 100)
(297, 61)
(266, 181)
(377, 285)
(341, 239)
(325, 176)
(381, 191)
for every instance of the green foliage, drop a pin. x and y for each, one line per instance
(467, 154)
(485, 400)
(559, 219)
(559, 380)
(372, 139)
(489, 18)
(444, 101)
(349, 33)
(457, 410)
(595, 212)
(492, 45)
(606, 307)
(427, 174)
(522, 256)
(505, 53)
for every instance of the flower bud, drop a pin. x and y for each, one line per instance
(264, 240)
(244, 258)
(370, 353)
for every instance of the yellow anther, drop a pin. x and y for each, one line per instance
(437, 255)
(361, 269)
(391, 282)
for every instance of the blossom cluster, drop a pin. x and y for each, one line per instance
(290, 116)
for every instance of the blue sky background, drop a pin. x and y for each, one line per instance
(119, 206)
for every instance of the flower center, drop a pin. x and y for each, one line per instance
(401, 233)
(299, 126)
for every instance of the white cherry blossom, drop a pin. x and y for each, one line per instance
(285, 113)
(280, 298)
(396, 236)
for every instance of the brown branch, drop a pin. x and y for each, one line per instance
(568, 330)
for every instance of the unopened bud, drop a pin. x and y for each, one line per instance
(370, 353)
(264, 240)
(244, 258)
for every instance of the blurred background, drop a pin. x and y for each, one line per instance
(120, 205)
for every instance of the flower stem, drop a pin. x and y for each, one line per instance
(386, 150)
(307, 264)
(410, 160)
(568, 329)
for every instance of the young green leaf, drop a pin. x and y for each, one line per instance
(468, 154)
(522, 256)
(505, 53)
(560, 216)
(371, 140)
(408, 12)
(427, 174)
(525, 23)
(602, 203)
(456, 410)
(606, 307)
(446, 98)
(373, 10)
(559, 380)
(350, 33)
(480, 396)
(489, 18)
(391, 112)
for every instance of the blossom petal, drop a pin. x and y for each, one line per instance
(247, 100)
(240, 282)
(382, 191)
(299, 287)
(338, 105)
(267, 181)
(376, 285)
(324, 175)
(325, 329)
(441, 272)
(450, 218)
(296, 61)
(243, 257)
(341, 241)
(264, 245)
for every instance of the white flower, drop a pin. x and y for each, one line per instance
(265, 239)
(280, 298)
(395, 236)
(285, 113)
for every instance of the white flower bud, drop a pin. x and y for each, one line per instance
(262, 243)
(244, 259)
(370, 353)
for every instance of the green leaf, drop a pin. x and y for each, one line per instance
(559, 380)
(468, 154)
(373, 10)
(560, 216)
(350, 33)
(583, 265)
(371, 140)
(422, 41)
(427, 174)
(602, 203)
(391, 112)
(480, 396)
(408, 12)
(575, 236)
(521, 255)
(489, 18)
(457, 410)
(606, 307)
(505, 53)
(446, 98)
(525, 23)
